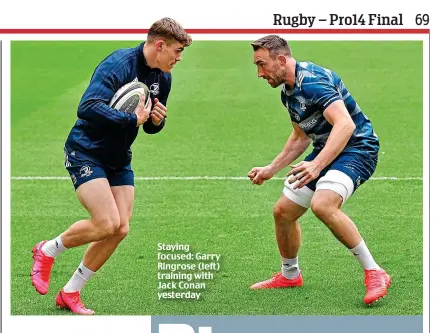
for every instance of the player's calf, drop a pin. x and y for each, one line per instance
(88, 231)
(326, 206)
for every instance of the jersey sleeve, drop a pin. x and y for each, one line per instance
(106, 80)
(148, 126)
(321, 92)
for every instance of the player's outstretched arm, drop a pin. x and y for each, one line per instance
(296, 144)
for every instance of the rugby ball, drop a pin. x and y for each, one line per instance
(127, 97)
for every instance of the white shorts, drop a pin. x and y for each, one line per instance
(333, 180)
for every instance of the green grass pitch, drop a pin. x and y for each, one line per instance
(222, 121)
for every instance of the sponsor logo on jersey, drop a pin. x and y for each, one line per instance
(155, 88)
(309, 124)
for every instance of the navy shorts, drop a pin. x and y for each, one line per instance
(359, 166)
(82, 169)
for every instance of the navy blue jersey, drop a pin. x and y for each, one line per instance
(315, 89)
(102, 133)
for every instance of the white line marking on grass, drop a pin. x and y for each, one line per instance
(197, 178)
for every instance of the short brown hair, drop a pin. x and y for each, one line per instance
(170, 30)
(274, 44)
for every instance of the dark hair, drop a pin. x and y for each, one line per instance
(170, 30)
(274, 44)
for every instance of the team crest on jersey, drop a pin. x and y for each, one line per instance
(293, 113)
(302, 102)
(155, 88)
(86, 171)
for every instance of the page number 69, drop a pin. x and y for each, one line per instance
(422, 19)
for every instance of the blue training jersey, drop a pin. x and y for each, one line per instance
(102, 133)
(315, 89)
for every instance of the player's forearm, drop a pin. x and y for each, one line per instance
(98, 111)
(336, 142)
(150, 128)
(294, 148)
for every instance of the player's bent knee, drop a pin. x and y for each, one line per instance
(279, 213)
(108, 230)
(122, 231)
(326, 206)
(321, 207)
(283, 214)
(107, 226)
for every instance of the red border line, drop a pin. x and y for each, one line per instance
(219, 31)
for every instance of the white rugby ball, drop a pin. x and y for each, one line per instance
(127, 97)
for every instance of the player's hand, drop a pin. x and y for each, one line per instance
(158, 112)
(260, 174)
(143, 111)
(304, 172)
